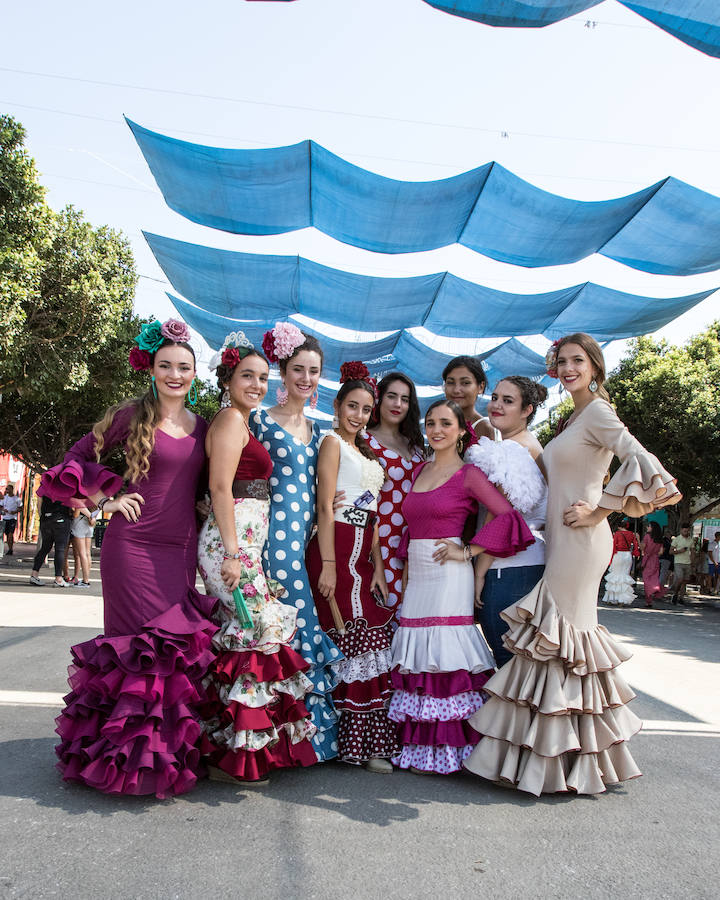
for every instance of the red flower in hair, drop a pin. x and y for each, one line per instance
(268, 345)
(139, 359)
(355, 371)
(230, 357)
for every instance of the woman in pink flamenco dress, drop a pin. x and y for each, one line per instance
(651, 548)
(556, 719)
(395, 438)
(131, 722)
(439, 658)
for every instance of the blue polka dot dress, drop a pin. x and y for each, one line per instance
(292, 515)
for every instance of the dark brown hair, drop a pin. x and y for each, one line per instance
(345, 389)
(531, 393)
(410, 426)
(311, 343)
(459, 415)
(472, 364)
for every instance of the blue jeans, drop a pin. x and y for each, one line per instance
(503, 587)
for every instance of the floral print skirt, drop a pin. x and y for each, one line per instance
(255, 719)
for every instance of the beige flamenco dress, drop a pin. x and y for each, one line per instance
(556, 719)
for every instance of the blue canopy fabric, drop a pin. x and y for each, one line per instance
(696, 24)
(669, 228)
(251, 286)
(397, 351)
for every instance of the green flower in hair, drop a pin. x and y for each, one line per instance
(150, 336)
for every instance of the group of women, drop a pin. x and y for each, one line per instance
(344, 574)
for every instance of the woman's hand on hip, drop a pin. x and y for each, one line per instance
(580, 515)
(127, 504)
(446, 550)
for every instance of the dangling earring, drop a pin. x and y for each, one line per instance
(593, 386)
(154, 387)
(459, 444)
(314, 400)
(194, 399)
(225, 399)
(282, 395)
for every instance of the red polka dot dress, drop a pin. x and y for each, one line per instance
(398, 481)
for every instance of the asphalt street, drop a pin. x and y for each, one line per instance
(335, 831)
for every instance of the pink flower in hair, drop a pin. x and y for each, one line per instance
(175, 330)
(282, 341)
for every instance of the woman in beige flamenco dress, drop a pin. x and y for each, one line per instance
(556, 719)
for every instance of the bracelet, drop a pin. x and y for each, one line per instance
(467, 552)
(328, 560)
(234, 556)
(102, 502)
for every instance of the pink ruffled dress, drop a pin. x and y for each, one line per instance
(440, 661)
(131, 722)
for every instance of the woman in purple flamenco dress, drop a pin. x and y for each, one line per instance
(130, 723)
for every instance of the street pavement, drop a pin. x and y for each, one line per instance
(335, 831)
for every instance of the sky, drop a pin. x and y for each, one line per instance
(597, 106)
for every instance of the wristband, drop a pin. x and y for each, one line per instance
(234, 556)
(102, 501)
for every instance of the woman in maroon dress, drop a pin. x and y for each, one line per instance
(130, 724)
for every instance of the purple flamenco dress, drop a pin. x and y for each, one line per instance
(130, 723)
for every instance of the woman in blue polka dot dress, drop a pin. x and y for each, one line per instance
(292, 441)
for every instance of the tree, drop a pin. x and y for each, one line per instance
(69, 288)
(669, 397)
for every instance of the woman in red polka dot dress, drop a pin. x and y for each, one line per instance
(395, 437)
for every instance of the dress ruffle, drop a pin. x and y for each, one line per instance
(440, 649)
(423, 708)
(556, 719)
(509, 466)
(505, 535)
(639, 486)
(72, 482)
(619, 586)
(443, 758)
(131, 722)
(438, 684)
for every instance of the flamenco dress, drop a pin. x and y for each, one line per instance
(556, 719)
(619, 583)
(651, 569)
(131, 722)
(255, 719)
(363, 691)
(439, 658)
(398, 481)
(292, 517)
(511, 468)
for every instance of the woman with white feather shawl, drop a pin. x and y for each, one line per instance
(512, 465)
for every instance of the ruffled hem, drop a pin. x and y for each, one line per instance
(234, 738)
(325, 719)
(553, 690)
(509, 466)
(231, 666)
(439, 684)
(131, 723)
(363, 696)
(364, 736)
(423, 708)
(556, 719)
(440, 649)
(73, 483)
(364, 667)
(441, 760)
(320, 655)
(505, 535)
(251, 765)
(438, 734)
(639, 486)
(538, 631)
(273, 625)
(581, 773)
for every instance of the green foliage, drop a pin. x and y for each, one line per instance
(546, 431)
(669, 398)
(208, 399)
(68, 289)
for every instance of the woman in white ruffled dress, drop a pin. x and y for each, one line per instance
(556, 719)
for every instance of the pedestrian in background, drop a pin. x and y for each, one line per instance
(55, 523)
(81, 532)
(714, 562)
(650, 548)
(10, 505)
(682, 550)
(666, 560)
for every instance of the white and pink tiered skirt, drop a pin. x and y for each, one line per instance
(440, 663)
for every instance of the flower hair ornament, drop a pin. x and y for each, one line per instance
(358, 371)
(235, 347)
(282, 341)
(152, 335)
(551, 359)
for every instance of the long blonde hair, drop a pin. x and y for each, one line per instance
(140, 441)
(595, 355)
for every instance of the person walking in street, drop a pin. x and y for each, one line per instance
(81, 532)
(650, 549)
(666, 560)
(714, 562)
(10, 506)
(682, 550)
(55, 524)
